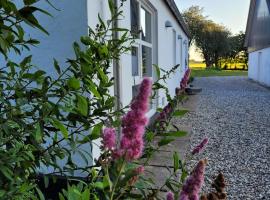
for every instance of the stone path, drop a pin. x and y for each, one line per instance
(234, 113)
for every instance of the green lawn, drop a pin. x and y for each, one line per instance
(202, 72)
(229, 66)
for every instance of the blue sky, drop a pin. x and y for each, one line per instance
(231, 13)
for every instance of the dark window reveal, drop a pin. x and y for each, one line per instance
(134, 15)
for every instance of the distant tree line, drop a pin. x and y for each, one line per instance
(219, 47)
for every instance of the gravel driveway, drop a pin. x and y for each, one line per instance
(234, 113)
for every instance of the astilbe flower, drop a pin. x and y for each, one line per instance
(134, 122)
(184, 81)
(194, 182)
(199, 148)
(170, 196)
(109, 138)
(164, 115)
(138, 171)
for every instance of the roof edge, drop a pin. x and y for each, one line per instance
(175, 11)
(249, 21)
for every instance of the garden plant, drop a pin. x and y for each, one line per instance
(45, 120)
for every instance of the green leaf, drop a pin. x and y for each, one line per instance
(82, 105)
(56, 66)
(86, 40)
(86, 194)
(175, 134)
(40, 194)
(101, 21)
(165, 141)
(7, 172)
(184, 175)
(111, 6)
(159, 109)
(102, 75)
(107, 181)
(38, 133)
(149, 136)
(169, 185)
(73, 83)
(25, 61)
(175, 161)
(57, 124)
(157, 71)
(26, 13)
(180, 113)
(96, 132)
(92, 88)
(77, 49)
(99, 185)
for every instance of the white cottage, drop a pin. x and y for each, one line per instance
(258, 41)
(163, 41)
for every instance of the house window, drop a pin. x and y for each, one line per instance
(146, 27)
(135, 61)
(134, 18)
(146, 60)
(142, 30)
(174, 47)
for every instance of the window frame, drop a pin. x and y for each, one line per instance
(139, 42)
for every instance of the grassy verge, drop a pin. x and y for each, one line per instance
(202, 72)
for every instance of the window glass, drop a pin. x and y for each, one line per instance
(146, 61)
(134, 16)
(174, 47)
(135, 61)
(146, 34)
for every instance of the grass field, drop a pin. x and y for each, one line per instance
(202, 72)
(202, 65)
(199, 70)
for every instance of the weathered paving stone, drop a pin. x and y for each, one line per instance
(234, 113)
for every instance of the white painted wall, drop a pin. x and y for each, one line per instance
(259, 66)
(165, 46)
(72, 21)
(164, 51)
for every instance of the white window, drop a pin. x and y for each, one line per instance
(181, 53)
(174, 48)
(143, 25)
(142, 20)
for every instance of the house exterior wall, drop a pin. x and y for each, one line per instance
(259, 66)
(163, 50)
(73, 20)
(65, 26)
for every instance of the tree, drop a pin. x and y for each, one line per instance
(237, 52)
(210, 37)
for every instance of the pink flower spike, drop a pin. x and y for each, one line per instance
(194, 182)
(134, 122)
(140, 170)
(199, 148)
(183, 196)
(109, 137)
(170, 196)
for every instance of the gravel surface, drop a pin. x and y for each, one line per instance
(234, 113)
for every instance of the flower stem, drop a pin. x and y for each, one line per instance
(123, 164)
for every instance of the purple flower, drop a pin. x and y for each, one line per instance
(194, 182)
(199, 148)
(183, 196)
(170, 196)
(108, 137)
(134, 122)
(139, 170)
